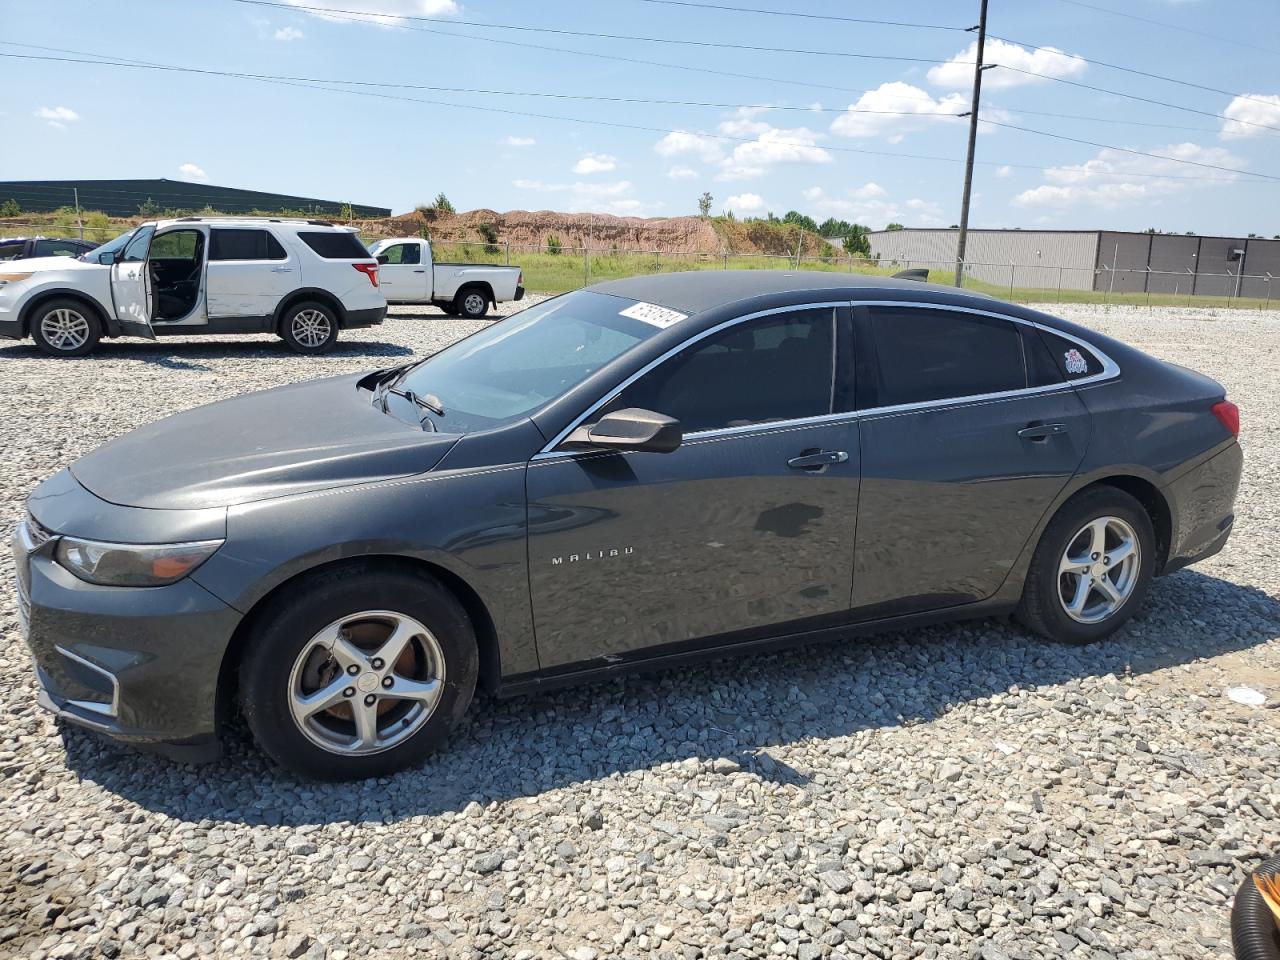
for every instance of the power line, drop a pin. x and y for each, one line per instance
(1170, 26)
(311, 84)
(363, 17)
(832, 18)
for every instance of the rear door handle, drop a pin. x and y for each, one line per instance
(1042, 431)
(817, 460)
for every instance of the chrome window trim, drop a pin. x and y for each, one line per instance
(111, 709)
(1110, 370)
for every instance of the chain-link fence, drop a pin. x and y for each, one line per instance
(556, 267)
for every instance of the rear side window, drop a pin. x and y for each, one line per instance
(59, 248)
(334, 244)
(1074, 361)
(774, 368)
(12, 249)
(925, 355)
(225, 244)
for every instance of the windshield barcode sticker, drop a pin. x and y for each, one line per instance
(654, 314)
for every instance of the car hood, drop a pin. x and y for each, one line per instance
(37, 264)
(295, 439)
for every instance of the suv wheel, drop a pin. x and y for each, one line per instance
(309, 328)
(355, 676)
(65, 328)
(472, 303)
(1091, 568)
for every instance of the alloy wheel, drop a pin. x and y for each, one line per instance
(64, 329)
(474, 303)
(366, 683)
(1099, 569)
(311, 328)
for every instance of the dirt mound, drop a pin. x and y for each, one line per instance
(602, 231)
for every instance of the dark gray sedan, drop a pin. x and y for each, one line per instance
(635, 474)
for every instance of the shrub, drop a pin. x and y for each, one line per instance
(10, 208)
(489, 233)
(553, 245)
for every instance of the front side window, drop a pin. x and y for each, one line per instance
(12, 249)
(175, 245)
(136, 249)
(772, 368)
(228, 244)
(404, 254)
(924, 355)
(514, 367)
(58, 248)
(108, 250)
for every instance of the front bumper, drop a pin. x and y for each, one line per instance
(137, 664)
(10, 320)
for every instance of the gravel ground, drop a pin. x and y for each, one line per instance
(961, 791)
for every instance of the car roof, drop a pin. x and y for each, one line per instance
(296, 222)
(698, 290)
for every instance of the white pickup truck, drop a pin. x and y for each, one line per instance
(407, 273)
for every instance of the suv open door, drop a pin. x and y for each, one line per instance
(131, 285)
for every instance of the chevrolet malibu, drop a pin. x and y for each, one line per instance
(636, 474)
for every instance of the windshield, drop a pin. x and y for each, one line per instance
(111, 246)
(512, 368)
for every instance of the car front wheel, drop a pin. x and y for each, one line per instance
(356, 674)
(472, 304)
(309, 328)
(1091, 569)
(65, 328)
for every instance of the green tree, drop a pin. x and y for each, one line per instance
(800, 220)
(894, 226)
(10, 208)
(704, 204)
(856, 243)
(149, 208)
(489, 232)
(442, 204)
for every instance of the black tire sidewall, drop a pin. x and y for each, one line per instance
(460, 303)
(310, 606)
(1048, 616)
(286, 328)
(91, 316)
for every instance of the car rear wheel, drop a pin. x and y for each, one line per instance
(472, 303)
(65, 328)
(309, 328)
(355, 675)
(1091, 569)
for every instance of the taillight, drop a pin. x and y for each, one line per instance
(370, 270)
(1229, 415)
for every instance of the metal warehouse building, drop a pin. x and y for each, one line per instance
(1095, 259)
(122, 198)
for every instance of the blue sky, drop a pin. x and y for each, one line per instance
(806, 151)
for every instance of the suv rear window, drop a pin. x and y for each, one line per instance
(227, 244)
(335, 244)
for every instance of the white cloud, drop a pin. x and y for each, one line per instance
(192, 174)
(897, 98)
(870, 204)
(812, 193)
(745, 203)
(586, 196)
(1109, 179)
(680, 143)
(389, 12)
(1005, 171)
(520, 141)
(957, 73)
(57, 117)
(596, 163)
(682, 173)
(743, 123)
(286, 34)
(773, 146)
(1251, 108)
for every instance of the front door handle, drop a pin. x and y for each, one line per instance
(817, 460)
(282, 269)
(1041, 431)
(420, 271)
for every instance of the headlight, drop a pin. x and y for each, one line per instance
(132, 564)
(7, 278)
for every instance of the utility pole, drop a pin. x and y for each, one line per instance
(978, 67)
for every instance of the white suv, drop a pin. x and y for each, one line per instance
(301, 279)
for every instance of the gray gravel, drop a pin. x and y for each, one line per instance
(961, 791)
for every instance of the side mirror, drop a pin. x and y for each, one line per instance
(106, 259)
(632, 429)
(383, 258)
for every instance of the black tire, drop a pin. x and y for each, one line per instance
(296, 616)
(448, 308)
(471, 302)
(1042, 607)
(80, 327)
(302, 324)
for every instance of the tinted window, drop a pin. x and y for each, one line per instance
(936, 355)
(175, 245)
(1041, 369)
(136, 250)
(60, 248)
(402, 253)
(774, 368)
(244, 245)
(335, 244)
(11, 249)
(1074, 361)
